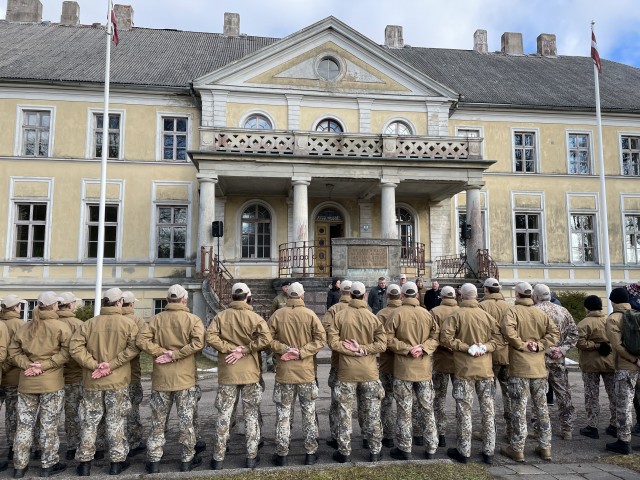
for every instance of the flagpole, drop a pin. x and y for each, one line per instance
(103, 167)
(603, 189)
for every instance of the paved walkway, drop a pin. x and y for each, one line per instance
(572, 460)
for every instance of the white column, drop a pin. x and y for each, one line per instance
(300, 209)
(206, 213)
(388, 210)
(474, 220)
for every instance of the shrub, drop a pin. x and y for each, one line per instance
(84, 313)
(574, 302)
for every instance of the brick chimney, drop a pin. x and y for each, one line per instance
(28, 11)
(393, 36)
(547, 45)
(124, 16)
(231, 24)
(511, 43)
(480, 42)
(70, 13)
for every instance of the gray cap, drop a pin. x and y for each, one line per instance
(113, 294)
(393, 289)
(523, 288)
(48, 298)
(175, 292)
(296, 290)
(358, 288)
(11, 301)
(129, 297)
(409, 288)
(447, 292)
(68, 297)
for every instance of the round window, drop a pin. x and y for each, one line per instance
(328, 68)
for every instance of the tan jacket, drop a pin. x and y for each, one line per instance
(11, 373)
(278, 302)
(49, 346)
(327, 321)
(523, 322)
(296, 326)
(465, 327)
(181, 332)
(136, 371)
(623, 359)
(4, 345)
(358, 323)
(72, 370)
(592, 331)
(385, 363)
(109, 337)
(237, 326)
(443, 357)
(495, 305)
(412, 325)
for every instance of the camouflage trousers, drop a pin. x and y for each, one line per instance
(559, 380)
(501, 376)
(48, 407)
(369, 395)
(135, 430)
(334, 408)
(591, 382)
(387, 413)
(440, 384)
(463, 391)
(225, 400)
(519, 391)
(404, 393)
(160, 403)
(626, 382)
(72, 427)
(113, 406)
(284, 396)
(10, 413)
(196, 425)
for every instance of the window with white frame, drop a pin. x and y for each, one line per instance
(579, 153)
(528, 235)
(398, 128)
(329, 125)
(630, 155)
(30, 229)
(257, 121)
(27, 311)
(36, 133)
(583, 238)
(113, 135)
(405, 224)
(171, 231)
(174, 138)
(468, 132)
(256, 232)
(159, 305)
(110, 230)
(524, 152)
(632, 237)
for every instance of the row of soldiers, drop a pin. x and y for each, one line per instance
(405, 335)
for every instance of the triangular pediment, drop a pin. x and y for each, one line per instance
(295, 63)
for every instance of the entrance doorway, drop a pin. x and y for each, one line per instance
(328, 224)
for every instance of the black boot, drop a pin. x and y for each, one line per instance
(52, 470)
(83, 469)
(310, 458)
(135, 451)
(215, 464)
(118, 467)
(333, 443)
(201, 446)
(191, 464)
(3, 465)
(152, 467)
(442, 442)
(340, 458)
(280, 460)
(252, 462)
(619, 446)
(400, 454)
(71, 454)
(591, 432)
(455, 454)
(99, 455)
(19, 472)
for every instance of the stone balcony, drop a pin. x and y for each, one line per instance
(322, 144)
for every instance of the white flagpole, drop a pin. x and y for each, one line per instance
(603, 190)
(103, 167)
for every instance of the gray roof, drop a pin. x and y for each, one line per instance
(170, 58)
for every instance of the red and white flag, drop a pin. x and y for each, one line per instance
(594, 53)
(115, 26)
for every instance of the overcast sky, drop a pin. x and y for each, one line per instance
(426, 23)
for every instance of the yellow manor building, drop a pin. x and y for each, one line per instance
(296, 148)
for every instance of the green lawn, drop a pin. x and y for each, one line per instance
(437, 471)
(146, 363)
(631, 462)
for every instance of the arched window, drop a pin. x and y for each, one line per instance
(329, 125)
(256, 232)
(257, 122)
(405, 224)
(398, 128)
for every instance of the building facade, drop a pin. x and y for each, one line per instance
(323, 134)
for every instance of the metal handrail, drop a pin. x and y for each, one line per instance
(300, 259)
(487, 267)
(457, 266)
(412, 258)
(221, 281)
